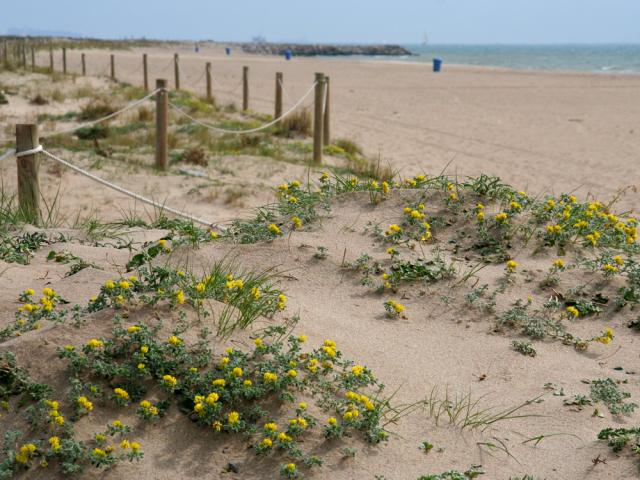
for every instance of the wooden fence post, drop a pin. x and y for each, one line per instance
(145, 72)
(33, 59)
(278, 110)
(24, 54)
(207, 70)
(84, 64)
(28, 185)
(326, 128)
(317, 119)
(245, 88)
(176, 70)
(64, 60)
(162, 110)
(113, 67)
(5, 54)
(50, 58)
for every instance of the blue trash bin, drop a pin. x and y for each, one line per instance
(288, 54)
(227, 51)
(437, 64)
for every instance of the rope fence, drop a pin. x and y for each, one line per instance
(27, 134)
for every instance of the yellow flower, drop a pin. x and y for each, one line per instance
(515, 206)
(610, 268)
(219, 382)
(224, 361)
(123, 394)
(302, 338)
(272, 427)
(270, 377)
(200, 287)
(273, 228)
(117, 424)
(146, 404)
(292, 373)
(290, 467)
(512, 265)
(480, 216)
(237, 372)
(180, 298)
(395, 228)
(94, 343)
(283, 437)
(135, 447)
(302, 406)
(357, 370)
(398, 307)
(247, 383)
(385, 187)
(234, 417)
(133, 329)
(109, 285)
(266, 443)
(173, 340)
(258, 342)
(29, 292)
(145, 349)
(618, 260)
(125, 285)
(502, 217)
(332, 421)
(170, 380)
(212, 398)
(559, 263)
(99, 452)
(217, 426)
(124, 444)
(214, 235)
(573, 311)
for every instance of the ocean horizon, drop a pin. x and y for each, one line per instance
(603, 58)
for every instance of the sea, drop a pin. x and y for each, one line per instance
(608, 58)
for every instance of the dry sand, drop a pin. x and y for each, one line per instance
(544, 132)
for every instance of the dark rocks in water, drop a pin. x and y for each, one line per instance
(310, 50)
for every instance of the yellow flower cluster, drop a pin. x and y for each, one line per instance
(234, 284)
(170, 381)
(573, 312)
(502, 217)
(273, 228)
(54, 443)
(606, 337)
(393, 228)
(398, 308)
(233, 417)
(271, 427)
(180, 297)
(559, 264)
(270, 377)
(26, 451)
(85, 403)
(95, 343)
(149, 408)
(357, 370)
(121, 393)
(363, 399)
(511, 266)
(173, 340)
(53, 412)
(282, 301)
(329, 348)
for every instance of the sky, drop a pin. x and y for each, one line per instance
(334, 21)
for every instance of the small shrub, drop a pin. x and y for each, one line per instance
(194, 156)
(297, 123)
(96, 109)
(39, 100)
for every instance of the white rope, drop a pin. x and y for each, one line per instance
(99, 120)
(326, 97)
(125, 191)
(31, 151)
(252, 130)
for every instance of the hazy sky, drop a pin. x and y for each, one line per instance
(397, 21)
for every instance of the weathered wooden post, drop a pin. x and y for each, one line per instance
(50, 57)
(245, 88)
(5, 54)
(162, 110)
(23, 52)
(113, 67)
(33, 59)
(28, 185)
(64, 60)
(207, 70)
(278, 110)
(84, 64)
(145, 72)
(326, 128)
(317, 119)
(176, 70)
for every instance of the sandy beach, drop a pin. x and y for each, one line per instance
(542, 132)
